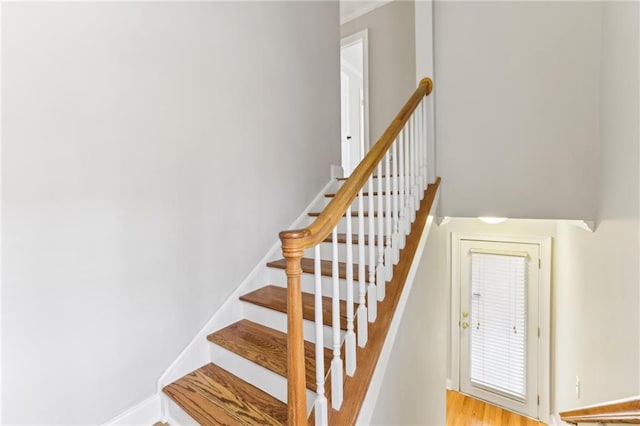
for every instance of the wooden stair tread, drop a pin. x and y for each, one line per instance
(353, 214)
(326, 266)
(266, 347)
(274, 297)
(213, 396)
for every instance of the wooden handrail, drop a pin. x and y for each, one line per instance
(294, 242)
(622, 411)
(319, 230)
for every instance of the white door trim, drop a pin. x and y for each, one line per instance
(348, 41)
(544, 311)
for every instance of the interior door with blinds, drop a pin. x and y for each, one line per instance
(499, 323)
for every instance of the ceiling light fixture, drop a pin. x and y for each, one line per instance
(492, 220)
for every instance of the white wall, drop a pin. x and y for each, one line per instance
(413, 389)
(423, 11)
(517, 108)
(392, 69)
(150, 154)
(597, 301)
(573, 67)
(595, 296)
(424, 25)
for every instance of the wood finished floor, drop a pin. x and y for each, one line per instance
(462, 410)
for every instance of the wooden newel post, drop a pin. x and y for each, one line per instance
(296, 382)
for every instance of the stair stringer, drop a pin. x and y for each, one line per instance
(198, 351)
(371, 397)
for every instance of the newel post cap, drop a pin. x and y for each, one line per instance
(429, 84)
(293, 242)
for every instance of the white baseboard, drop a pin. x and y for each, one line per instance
(197, 353)
(145, 413)
(364, 418)
(449, 384)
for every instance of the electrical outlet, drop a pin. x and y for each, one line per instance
(577, 387)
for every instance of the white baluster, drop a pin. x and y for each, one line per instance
(414, 189)
(350, 337)
(336, 363)
(427, 136)
(363, 326)
(418, 114)
(420, 143)
(431, 172)
(322, 416)
(372, 293)
(407, 178)
(412, 172)
(423, 148)
(402, 213)
(381, 274)
(388, 252)
(395, 237)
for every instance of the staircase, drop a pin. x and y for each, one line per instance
(315, 295)
(621, 411)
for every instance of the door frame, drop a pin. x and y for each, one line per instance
(544, 311)
(347, 41)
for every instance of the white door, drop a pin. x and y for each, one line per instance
(499, 326)
(345, 123)
(353, 101)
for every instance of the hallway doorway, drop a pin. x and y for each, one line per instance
(354, 100)
(501, 303)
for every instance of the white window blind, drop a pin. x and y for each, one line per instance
(498, 322)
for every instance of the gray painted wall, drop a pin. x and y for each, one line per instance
(413, 389)
(597, 334)
(595, 290)
(517, 108)
(150, 154)
(392, 65)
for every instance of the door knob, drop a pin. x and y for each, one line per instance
(465, 314)
(464, 325)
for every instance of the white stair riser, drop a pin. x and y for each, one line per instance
(252, 373)
(279, 278)
(365, 203)
(308, 286)
(375, 183)
(354, 205)
(342, 225)
(326, 252)
(278, 321)
(177, 415)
